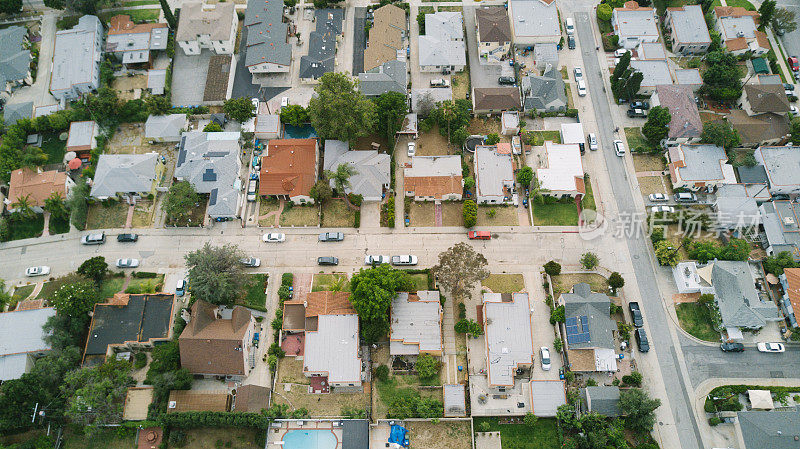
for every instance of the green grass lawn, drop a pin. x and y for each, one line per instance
(58, 226)
(504, 283)
(151, 285)
(137, 15)
(50, 287)
(254, 292)
(544, 435)
(636, 139)
(696, 320)
(109, 438)
(558, 214)
(105, 216)
(336, 214)
(537, 138)
(588, 200)
(742, 3)
(330, 282)
(25, 229)
(111, 285)
(53, 148)
(21, 293)
(420, 281)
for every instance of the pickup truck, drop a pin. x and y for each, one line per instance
(637, 113)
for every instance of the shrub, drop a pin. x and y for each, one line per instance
(558, 345)
(470, 213)
(287, 279)
(552, 268)
(714, 421)
(139, 360)
(382, 373)
(462, 311)
(589, 260)
(177, 438)
(272, 360)
(557, 315)
(284, 293)
(275, 349)
(144, 274)
(633, 379)
(530, 419)
(484, 427)
(590, 382)
(471, 327)
(427, 367)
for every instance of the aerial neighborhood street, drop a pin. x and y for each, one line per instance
(410, 224)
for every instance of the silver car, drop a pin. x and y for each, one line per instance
(37, 271)
(376, 260)
(127, 263)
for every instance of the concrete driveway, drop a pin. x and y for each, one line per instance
(189, 75)
(39, 92)
(481, 75)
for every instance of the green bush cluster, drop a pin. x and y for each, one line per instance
(634, 379)
(465, 326)
(193, 420)
(144, 274)
(382, 373)
(470, 213)
(388, 212)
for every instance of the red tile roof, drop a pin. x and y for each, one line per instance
(36, 186)
(289, 168)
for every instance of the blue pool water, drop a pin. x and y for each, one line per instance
(309, 439)
(299, 132)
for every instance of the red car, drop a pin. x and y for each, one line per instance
(793, 63)
(479, 235)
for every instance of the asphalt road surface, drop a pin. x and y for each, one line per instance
(674, 383)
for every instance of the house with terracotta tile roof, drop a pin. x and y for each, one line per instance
(562, 174)
(133, 43)
(738, 29)
(322, 328)
(289, 169)
(634, 24)
(36, 186)
(431, 178)
(218, 341)
(790, 301)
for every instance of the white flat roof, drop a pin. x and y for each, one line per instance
(509, 342)
(563, 166)
(333, 348)
(415, 324)
(572, 133)
(21, 334)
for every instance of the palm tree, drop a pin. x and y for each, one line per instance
(23, 208)
(341, 177)
(56, 206)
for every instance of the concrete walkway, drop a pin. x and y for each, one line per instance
(129, 217)
(275, 213)
(46, 229)
(450, 363)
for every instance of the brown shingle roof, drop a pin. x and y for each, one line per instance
(219, 68)
(122, 24)
(36, 186)
(735, 11)
(198, 401)
(435, 186)
(685, 122)
(385, 37)
(328, 303)
(762, 39)
(493, 25)
(766, 98)
(735, 44)
(210, 345)
(250, 398)
(289, 168)
(496, 98)
(758, 128)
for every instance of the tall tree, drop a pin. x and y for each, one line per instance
(632, 84)
(180, 201)
(341, 177)
(783, 21)
(96, 395)
(525, 176)
(157, 104)
(77, 203)
(321, 191)
(622, 66)
(339, 111)
(295, 115)
(657, 126)
(22, 207)
(94, 268)
(767, 9)
(57, 207)
(638, 409)
(720, 134)
(372, 292)
(215, 273)
(722, 79)
(10, 6)
(75, 298)
(460, 267)
(239, 109)
(168, 15)
(391, 108)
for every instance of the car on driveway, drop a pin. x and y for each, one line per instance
(412, 148)
(641, 340)
(331, 237)
(657, 197)
(506, 80)
(405, 259)
(94, 239)
(662, 209)
(127, 263)
(180, 287)
(640, 105)
(544, 356)
(770, 347)
(327, 260)
(685, 197)
(37, 271)
(571, 42)
(633, 113)
(127, 237)
(440, 82)
(730, 346)
(274, 237)
(251, 262)
(636, 314)
(375, 260)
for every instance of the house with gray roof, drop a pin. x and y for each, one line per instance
(545, 53)
(741, 305)
(157, 81)
(15, 111)
(544, 93)
(22, 340)
(699, 166)
(416, 324)
(634, 24)
(656, 73)
(455, 400)
(131, 175)
(685, 125)
(689, 77)
(207, 26)
(494, 32)
(15, 58)
(774, 429)
(689, 31)
(268, 49)
(589, 329)
(509, 341)
(534, 22)
(372, 175)
(77, 54)
(210, 162)
(494, 175)
(442, 46)
(603, 400)
(165, 128)
(132, 43)
(321, 57)
(431, 95)
(650, 50)
(780, 164)
(736, 205)
(779, 219)
(391, 76)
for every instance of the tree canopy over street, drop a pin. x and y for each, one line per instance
(460, 268)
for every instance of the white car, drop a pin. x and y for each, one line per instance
(657, 197)
(664, 209)
(618, 53)
(581, 88)
(771, 347)
(37, 271)
(274, 237)
(593, 142)
(793, 109)
(544, 356)
(619, 148)
(404, 260)
(412, 148)
(578, 73)
(376, 260)
(255, 104)
(251, 262)
(127, 263)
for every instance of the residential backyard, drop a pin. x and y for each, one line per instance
(504, 283)
(537, 138)
(420, 281)
(440, 435)
(543, 435)
(398, 389)
(695, 319)
(224, 437)
(26, 228)
(336, 214)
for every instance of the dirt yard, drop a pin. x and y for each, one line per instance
(484, 126)
(129, 87)
(654, 184)
(441, 435)
(290, 370)
(129, 139)
(213, 438)
(504, 283)
(421, 213)
(336, 214)
(648, 162)
(453, 214)
(319, 405)
(143, 214)
(504, 216)
(460, 82)
(432, 143)
(102, 217)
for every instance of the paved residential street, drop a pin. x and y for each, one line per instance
(791, 41)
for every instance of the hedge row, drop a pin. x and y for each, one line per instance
(192, 420)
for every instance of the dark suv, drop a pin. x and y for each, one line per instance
(507, 80)
(731, 347)
(127, 238)
(636, 314)
(327, 260)
(641, 340)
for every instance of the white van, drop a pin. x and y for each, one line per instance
(252, 190)
(570, 25)
(581, 87)
(619, 148)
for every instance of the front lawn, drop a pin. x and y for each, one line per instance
(695, 319)
(48, 288)
(557, 214)
(421, 213)
(196, 216)
(105, 216)
(145, 285)
(299, 215)
(21, 293)
(336, 214)
(25, 229)
(564, 282)
(330, 282)
(636, 140)
(504, 283)
(587, 202)
(543, 435)
(420, 281)
(254, 291)
(58, 226)
(111, 286)
(502, 216)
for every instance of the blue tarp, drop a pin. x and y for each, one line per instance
(398, 435)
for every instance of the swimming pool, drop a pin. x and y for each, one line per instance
(309, 439)
(299, 132)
